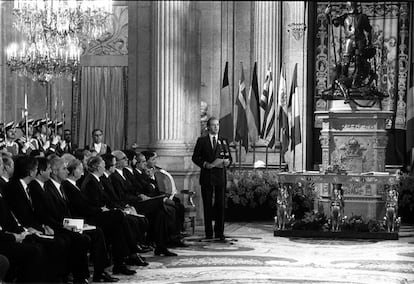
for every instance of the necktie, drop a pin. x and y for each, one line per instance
(62, 193)
(214, 142)
(28, 196)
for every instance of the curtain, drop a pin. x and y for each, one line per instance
(102, 105)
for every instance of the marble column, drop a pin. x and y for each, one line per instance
(267, 38)
(175, 107)
(169, 48)
(295, 39)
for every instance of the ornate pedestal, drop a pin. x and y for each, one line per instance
(355, 139)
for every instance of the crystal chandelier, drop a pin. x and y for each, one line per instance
(53, 32)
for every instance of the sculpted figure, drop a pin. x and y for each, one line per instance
(391, 209)
(337, 205)
(282, 208)
(357, 48)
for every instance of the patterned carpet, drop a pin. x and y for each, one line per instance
(258, 257)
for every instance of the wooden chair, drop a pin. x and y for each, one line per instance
(166, 184)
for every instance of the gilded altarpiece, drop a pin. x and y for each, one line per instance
(390, 36)
(355, 137)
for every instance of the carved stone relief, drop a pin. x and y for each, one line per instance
(115, 40)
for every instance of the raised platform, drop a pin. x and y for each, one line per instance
(336, 235)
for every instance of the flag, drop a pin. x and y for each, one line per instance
(254, 99)
(268, 105)
(242, 131)
(226, 118)
(283, 112)
(293, 110)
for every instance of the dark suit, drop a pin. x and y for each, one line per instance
(80, 207)
(139, 225)
(153, 209)
(54, 211)
(26, 258)
(56, 249)
(212, 181)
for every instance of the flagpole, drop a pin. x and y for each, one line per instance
(254, 153)
(267, 152)
(240, 156)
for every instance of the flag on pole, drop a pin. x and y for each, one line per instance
(226, 118)
(254, 101)
(293, 110)
(267, 103)
(242, 131)
(283, 112)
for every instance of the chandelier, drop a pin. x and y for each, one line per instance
(53, 32)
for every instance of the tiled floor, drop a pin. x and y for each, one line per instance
(259, 257)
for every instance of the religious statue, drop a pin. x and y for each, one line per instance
(356, 51)
(337, 206)
(283, 207)
(391, 209)
(203, 117)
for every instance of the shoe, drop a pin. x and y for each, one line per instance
(80, 281)
(143, 249)
(136, 261)
(164, 251)
(209, 237)
(104, 277)
(221, 238)
(122, 269)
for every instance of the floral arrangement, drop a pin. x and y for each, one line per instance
(252, 188)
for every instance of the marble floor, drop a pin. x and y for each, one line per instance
(256, 256)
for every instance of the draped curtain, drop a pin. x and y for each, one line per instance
(102, 104)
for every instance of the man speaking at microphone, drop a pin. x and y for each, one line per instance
(212, 155)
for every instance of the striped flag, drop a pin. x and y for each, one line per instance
(283, 112)
(242, 131)
(226, 118)
(268, 105)
(293, 110)
(254, 105)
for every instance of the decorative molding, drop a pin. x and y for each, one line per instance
(297, 30)
(115, 41)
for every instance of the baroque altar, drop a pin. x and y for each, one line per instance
(354, 138)
(365, 201)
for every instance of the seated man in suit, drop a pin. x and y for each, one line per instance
(19, 200)
(89, 202)
(25, 258)
(152, 208)
(98, 145)
(144, 175)
(138, 223)
(51, 205)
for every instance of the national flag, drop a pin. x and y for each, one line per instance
(242, 131)
(283, 112)
(254, 99)
(293, 109)
(226, 118)
(268, 105)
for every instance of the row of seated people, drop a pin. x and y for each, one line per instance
(116, 194)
